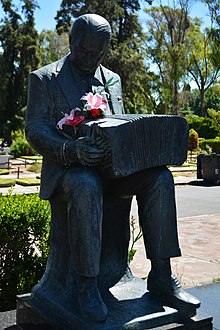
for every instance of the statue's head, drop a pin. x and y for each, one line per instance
(89, 40)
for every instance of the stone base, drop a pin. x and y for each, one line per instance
(128, 309)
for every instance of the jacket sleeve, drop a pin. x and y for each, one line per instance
(40, 132)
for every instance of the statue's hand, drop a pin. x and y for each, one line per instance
(86, 151)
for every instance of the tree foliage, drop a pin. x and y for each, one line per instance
(201, 67)
(52, 46)
(215, 115)
(18, 40)
(152, 64)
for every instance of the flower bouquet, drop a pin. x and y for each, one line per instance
(95, 105)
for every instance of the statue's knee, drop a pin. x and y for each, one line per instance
(160, 177)
(165, 179)
(167, 176)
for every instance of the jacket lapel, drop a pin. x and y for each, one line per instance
(115, 101)
(66, 82)
(68, 85)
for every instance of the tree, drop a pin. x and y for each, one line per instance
(214, 10)
(212, 98)
(18, 40)
(214, 31)
(52, 46)
(167, 34)
(126, 52)
(200, 64)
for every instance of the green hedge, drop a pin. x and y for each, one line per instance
(204, 126)
(214, 144)
(24, 228)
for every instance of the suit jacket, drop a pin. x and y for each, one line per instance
(53, 91)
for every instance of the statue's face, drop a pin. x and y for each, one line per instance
(88, 50)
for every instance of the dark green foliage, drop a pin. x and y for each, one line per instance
(210, 145)
(20, 147)
(215, 115)
(205, 127)
(24, 227)
(18, 44)
(211, 99)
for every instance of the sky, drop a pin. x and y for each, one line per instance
(44, 17)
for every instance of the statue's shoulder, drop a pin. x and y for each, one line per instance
(50, 69)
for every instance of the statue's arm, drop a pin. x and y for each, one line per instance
(43, 136)
(40, 132)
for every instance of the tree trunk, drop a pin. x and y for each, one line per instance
(175, 98)
(202, 101)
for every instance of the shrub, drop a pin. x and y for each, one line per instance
(20, 147)
(24, 227)
(193, 142)
(210, 144)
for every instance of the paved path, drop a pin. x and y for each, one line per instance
(200, 243)
(199, 238)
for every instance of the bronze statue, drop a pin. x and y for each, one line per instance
(69, 169)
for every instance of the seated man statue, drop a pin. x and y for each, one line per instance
(70, 168)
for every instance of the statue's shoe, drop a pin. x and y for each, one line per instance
(91, 304)
(170, 291)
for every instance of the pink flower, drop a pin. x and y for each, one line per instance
(95, 101)
(72, 119)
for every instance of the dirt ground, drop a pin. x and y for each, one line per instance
(21, 166)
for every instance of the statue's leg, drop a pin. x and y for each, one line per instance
(82, 188)
(157, 214)
(115, 240)
(154, 190)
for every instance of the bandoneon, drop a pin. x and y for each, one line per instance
(137, 142)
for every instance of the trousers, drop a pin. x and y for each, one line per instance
(85, 191)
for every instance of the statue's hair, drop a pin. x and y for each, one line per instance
(91, 22)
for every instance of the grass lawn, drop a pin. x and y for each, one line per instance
(32, 157)
(7, 182)
(35, 167)
(22, 182)
(3, 171)
(28, 182)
